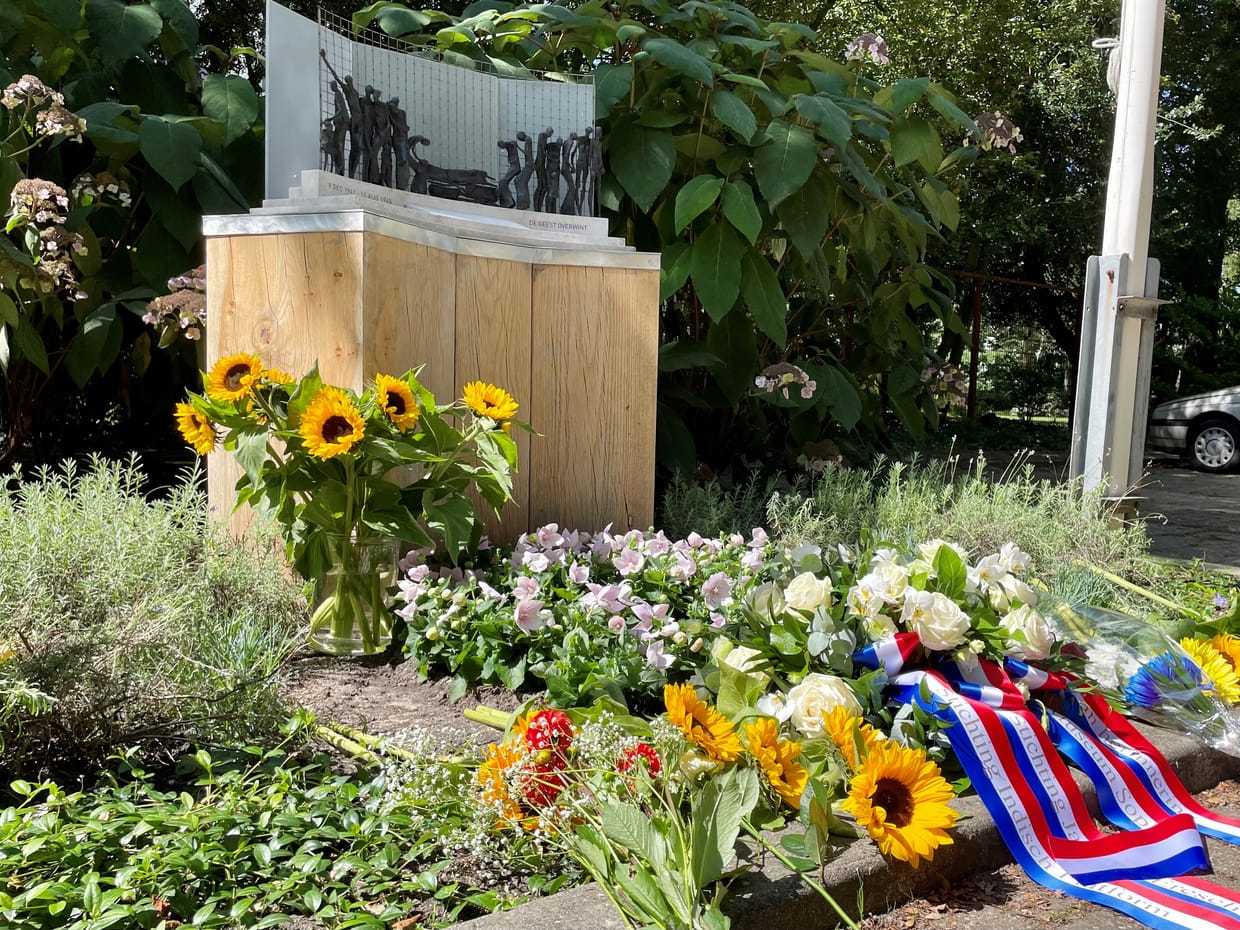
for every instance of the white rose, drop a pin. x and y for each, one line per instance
(1008, 589)
(1011, 556)
(864, 601)
(818, 694)
(1035, 637)
(807, 591)
(889, 579)
(879, 627)
(766, 600)
(774, 705)
(746, 661)
(936, 619)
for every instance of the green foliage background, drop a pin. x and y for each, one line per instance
(792, 196)
(165, 117)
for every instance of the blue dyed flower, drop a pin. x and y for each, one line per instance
(1167, 677)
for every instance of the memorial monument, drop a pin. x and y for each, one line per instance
(419, 212)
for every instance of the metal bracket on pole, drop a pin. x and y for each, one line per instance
(1113, 379)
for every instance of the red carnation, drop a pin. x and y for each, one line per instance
(637, 755)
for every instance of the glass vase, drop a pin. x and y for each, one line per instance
(351, 602)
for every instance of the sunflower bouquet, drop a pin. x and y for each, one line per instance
(328, 466)
(1190, 684)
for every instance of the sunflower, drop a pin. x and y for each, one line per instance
(198, 431)
(844, 728)
(395, 399)
(331, 424)
(233, 377)
(276, 376)
(1229, 646)
(777, 759)
(1216, 667)
(487, 400)
(701, 724)
(900, 798)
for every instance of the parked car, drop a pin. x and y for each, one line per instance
(1204, 428)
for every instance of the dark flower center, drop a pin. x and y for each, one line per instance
(895, 799)
(337, 428)
(233, 378)
(396, 404)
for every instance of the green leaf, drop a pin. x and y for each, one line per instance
(764, 297)
(101, 122)
(671, 54)
(695, 198)
(842, 398)
(178, 15)
(715, 821)
(252, 453)
(611, 85)
(911, 140)
(950, 573)
(784, 163)
(96, 344)
(674, 268)
(741, 211)
(629, 827)
(27, 341)
(230, 99)
(733, 341)
(902, 94)
(716, 269)
(122, 30)
(673, 443)
(827, 115)
(453, 518)
(734, 113)
(677, 355)
(806, 215)
(591, 850)
(945, 103)
(171, 148)
(8, 310)
(642, 160)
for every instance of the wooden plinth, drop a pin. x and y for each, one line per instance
(571, 333)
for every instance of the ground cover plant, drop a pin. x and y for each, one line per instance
(138, 620)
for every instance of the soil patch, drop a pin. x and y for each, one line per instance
(383, 695)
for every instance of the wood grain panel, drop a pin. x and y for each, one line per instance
(595, 351)
(493, 344)
(292, 298)
(408, 305)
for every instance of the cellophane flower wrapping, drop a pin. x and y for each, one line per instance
(1137, 664)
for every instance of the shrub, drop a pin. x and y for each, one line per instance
(140, 620)
(905, 504)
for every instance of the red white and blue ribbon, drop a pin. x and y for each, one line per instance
(1011, 755)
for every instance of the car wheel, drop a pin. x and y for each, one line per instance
(1214, 445)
